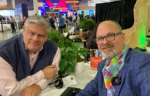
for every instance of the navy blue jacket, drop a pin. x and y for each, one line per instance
(76, 28)
(61, 21)
(135, 77)
(14, 52)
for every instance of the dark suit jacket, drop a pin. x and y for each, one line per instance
(135, 77)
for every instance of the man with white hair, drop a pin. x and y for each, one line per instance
(124, 72)
(29, 61)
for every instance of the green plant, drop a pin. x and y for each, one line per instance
(148, 45)
(71, 52)
(21, 25)
(87, 23)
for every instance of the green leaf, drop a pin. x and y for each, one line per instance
(63, 65)
(62, 49)
(84, 49)
(68, 49)
(89, 53)
(87, 23)
(77, 46)
(63, 54)
(73, 61)
(71, 68)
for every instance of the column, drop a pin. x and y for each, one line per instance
(35, 4)
(13, 4)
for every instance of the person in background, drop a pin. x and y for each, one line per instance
(51, 12)
(87, 34)
(70, 20)
(67, 21)
(45, 16)
(82, 15)
(93, 51)
(8, 18)
(56, 22)
(75, 28)
(61, 22)
(4, 17)
(91, 44)
(87, 16)
(74, 17)
(64, 20)
(12, 22)
(1, 18)
(91, 18)
(78, 19)
(24, 19)
(52, 21)
(28, 61)
(124, 72)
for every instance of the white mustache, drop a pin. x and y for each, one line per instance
(106, 46)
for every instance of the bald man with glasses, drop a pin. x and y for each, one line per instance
(124, 72)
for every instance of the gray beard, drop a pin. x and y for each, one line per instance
(111, 55)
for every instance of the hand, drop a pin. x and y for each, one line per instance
(50, 71)
(83, 40)
(32, 90)
(72, 33)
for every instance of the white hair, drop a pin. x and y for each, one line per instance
(111, 55)
(38, 20)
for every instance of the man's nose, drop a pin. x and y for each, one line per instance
(105, 41)
(35, 38)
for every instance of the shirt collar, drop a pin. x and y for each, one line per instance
(36, 51)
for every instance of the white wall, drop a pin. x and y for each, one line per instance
(30, 13)
(86, 7)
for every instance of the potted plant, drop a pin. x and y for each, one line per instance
(148, 46)
(87, 23)
(21, 26)
(71, 53)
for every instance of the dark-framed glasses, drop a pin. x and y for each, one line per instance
(109, 37)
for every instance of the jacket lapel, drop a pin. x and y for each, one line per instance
(122, 73)
(103, 90)
(119, 87)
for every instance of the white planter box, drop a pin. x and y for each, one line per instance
(79, 68)
(21, 30)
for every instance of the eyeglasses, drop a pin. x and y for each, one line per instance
(110, 37)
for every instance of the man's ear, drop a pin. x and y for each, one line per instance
(47, 36)
(123, 36)
(24, 29)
